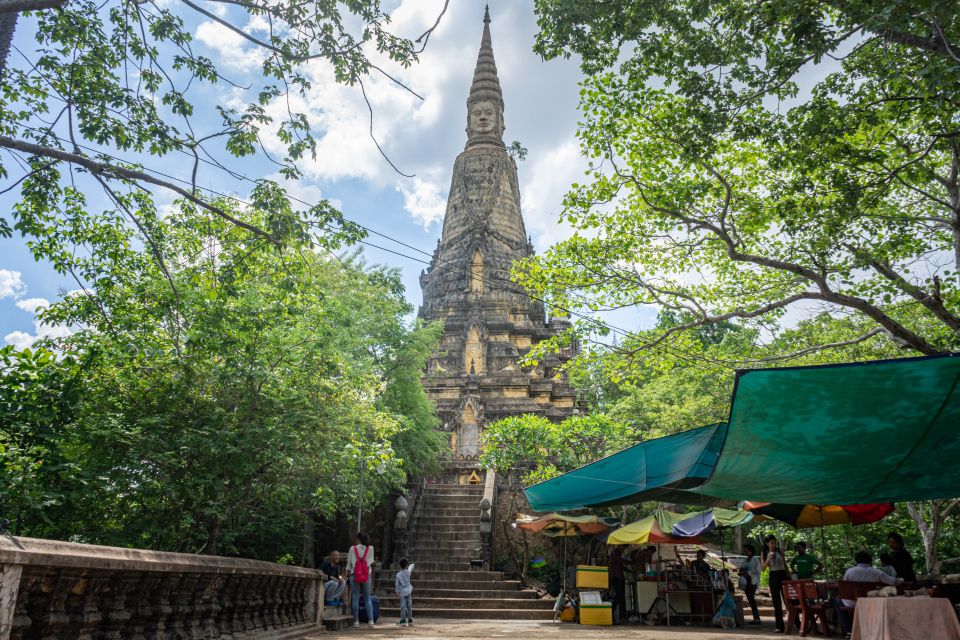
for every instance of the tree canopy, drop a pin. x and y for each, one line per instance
(763, 162)
(211, 404)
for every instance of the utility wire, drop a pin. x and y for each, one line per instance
(716, 366)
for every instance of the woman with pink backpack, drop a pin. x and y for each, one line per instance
(360, 570)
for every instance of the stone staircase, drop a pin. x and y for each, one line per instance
(444, 538)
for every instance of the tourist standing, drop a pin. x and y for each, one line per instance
(333, 582)
(750, 579)
(774, 561)
(902, 560)
(618, 583)
(804, 564)
(404, 589)
(359, 563)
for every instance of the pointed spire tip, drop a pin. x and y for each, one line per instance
(486, 14)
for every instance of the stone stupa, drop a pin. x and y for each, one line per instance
(489, 322)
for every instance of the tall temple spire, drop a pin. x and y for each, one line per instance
(489, 322)
(485, 102)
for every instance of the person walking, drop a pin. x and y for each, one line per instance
(750, 579)
(359, 562)
(774, 561)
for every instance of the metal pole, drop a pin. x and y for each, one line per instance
(360, 507)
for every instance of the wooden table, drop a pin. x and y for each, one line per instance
(905, 619)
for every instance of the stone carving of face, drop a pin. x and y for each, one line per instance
(483, 117)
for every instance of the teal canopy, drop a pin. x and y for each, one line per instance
(883, 431)
(653, 470)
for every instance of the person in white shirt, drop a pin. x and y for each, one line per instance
(863, 571)
(361, 552)
(774, 560)
(886, 565)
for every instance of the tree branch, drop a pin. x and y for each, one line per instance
(931, 301)
(102, 168)
(16, 6)
(939, 46)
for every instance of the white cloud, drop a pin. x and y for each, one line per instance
(544, 183)
(30, 305)
(423, 137)
(231, 48)
(423, 199)
(19, 339)
(11, 284)
(22, 339)
(41, 329)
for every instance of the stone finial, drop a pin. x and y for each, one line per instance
(485, 102)
(485, 510)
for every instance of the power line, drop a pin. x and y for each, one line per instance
(596, 321)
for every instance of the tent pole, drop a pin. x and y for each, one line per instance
(563, 591)
(823, 542)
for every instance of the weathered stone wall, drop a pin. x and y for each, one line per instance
(51, 590)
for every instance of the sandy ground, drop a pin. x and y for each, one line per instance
(524, 630)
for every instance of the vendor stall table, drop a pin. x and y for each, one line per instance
(905, 619)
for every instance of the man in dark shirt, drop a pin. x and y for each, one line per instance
(700, 565)
(618, 584)
(333, 582)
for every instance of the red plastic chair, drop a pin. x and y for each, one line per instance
(813, 610)
(792, 603)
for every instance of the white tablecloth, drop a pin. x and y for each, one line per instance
(905, 619)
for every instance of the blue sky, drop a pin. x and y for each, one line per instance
(422, 138)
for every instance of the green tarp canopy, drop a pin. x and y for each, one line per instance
(883, 431)
(653, 470)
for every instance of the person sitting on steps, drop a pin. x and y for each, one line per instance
(333, 582)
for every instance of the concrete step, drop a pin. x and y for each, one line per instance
(449, 519)
(449, 576)
(453, 549)
(470, 614)
(442, 487)
(467, 513)
(482, 593)
(472, 535)
(469, 603)
(444, 527)
(473, 586)
(445, 565)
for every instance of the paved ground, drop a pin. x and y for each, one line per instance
(523, 630)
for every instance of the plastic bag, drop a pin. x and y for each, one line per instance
(726, 615)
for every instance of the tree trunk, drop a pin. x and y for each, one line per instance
(930, 526)
(8, 22)
(213, 533)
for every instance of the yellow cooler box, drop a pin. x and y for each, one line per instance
(599, 614)
(592, 577)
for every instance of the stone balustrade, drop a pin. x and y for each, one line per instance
(66, 591)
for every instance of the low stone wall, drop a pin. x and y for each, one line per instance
(66, 591)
